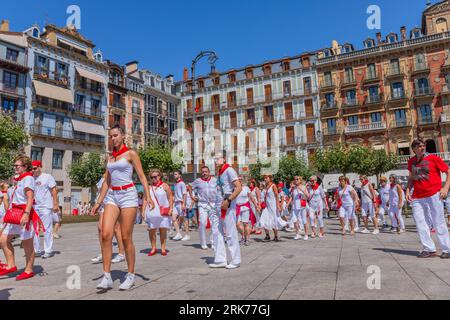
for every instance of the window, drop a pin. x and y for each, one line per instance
(395, 67)
(249, 73)
(373, 92)
(36, 33)
(268, 114)
(96, 107)
(10, 79)
(268, 92)
(36, 153)
(307, 85)
(286, 66)
(350, 96)
(61, 69)
(9, 104)
(369, 43)
(57, 159)
(425, 112)
(329, 97)
(250, 117)
(375, 117)
(400, 116)
(353, 120)
(216, 81)
(76, 157)
(415, 33)
(392, 38)
(371, 71)
(331, 125)
(397, 90)
(232, 99)
(232, 77)
(348, 75)
(267, 70)
(201, 84)
(327, 53)
(347, 49)
(287, 88)
(328, 79)
(11, 54)
(163, 86)
(117, 119)
(42, 63)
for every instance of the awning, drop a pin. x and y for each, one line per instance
(88, 127)
(72, 44)
(90, 75)
(403, 145)
(53, 92)
(378, 147)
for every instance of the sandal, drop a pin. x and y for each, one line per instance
(153, 252)
(266, 239)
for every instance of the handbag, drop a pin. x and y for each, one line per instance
(163, 211)
(15, 212)
(263, 204)
(339, 200)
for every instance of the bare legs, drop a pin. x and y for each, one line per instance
(8, 250)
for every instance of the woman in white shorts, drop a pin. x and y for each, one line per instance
(245, 214)
(300, 208)
(271, 209)
(160, 217)
(348, 202)
(22, 198)
(384, 200)
(396, 202)
(317, 198)
(119, 195)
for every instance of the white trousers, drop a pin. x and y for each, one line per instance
(396, 214)
(225, 234)
(431, 207)
(313, 212)
(46, 216)
(203, 215)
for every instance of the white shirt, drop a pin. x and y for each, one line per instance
(188, 201)
(316, 196)
(243, 196)
(297, 196)
(207, 192)
(19, 193)
(346, 195)
(366, 196)
(226, 181)
(180, 191)
(43, 193)
(384, 194)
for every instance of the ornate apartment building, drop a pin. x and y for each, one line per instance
(392, 91)
(65, 104)
(276, 104)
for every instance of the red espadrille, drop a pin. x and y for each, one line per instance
(6, 271)
(164, 253)
(24, 276)
(152, 253)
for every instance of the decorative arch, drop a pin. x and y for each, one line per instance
(441, 25)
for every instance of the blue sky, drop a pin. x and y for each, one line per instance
(164, 36)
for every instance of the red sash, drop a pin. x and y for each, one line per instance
(33, 218)
(247, 205)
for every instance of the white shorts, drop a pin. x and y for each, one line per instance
(347, 212)
(383, 210)
(56, 217)
(300, 215)
(123, 198)
(244, 215)
(367, 209)
(177, 212)
(14, 229)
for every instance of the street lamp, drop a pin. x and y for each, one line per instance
(212, 58)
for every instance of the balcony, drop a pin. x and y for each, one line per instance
(401, 123)
(426, 120)
(350, 103)
(93, 112)
(327, 85)
(250, 122)
(443, 155)
(420, 68)
(52, 77)
(331, 131)
(17, 115)
(348, 82)
(394, 72)
(374, 99)
(329, 105)
(371, 77)
(94, 87)
(52, 104)
(38, 130)
(14, 65)
(365, 127)
(445, 118)
(118, 105)
(424, 92)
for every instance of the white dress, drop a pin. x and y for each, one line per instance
(270, 217)
(153, 217)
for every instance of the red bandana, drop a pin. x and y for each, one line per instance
(207, 180)
(252, 188)
(159, 184)
(365, 182)
(315, 187)
(179, 180)
(121, 151)
(224, 168)
(393, 185)
(22, 176)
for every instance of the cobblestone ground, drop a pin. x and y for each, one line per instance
(335, 267)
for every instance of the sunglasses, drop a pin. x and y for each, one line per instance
(155, 177)
(18, 165)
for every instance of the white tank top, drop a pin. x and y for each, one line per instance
(297, 197)
(243, 198)
(384, 193)
(365, 194)
(121, 172)
(161, 195)
(393, 196)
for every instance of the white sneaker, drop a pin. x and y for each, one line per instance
(376, 231)
(177, 237)
(38, 254)
(186, 238)
(356, 229)
(117, 259)
(305, 237)
(365, 231)
(232, 266)
(46, 255)
(297, 237)
(97, 259)
(128, 283)
(106, 283)
(218, 265)
(402, 230)
(204, 247)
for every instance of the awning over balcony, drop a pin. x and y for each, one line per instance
(72, 44)
(88, 127)
(90, 75)
(53, 92)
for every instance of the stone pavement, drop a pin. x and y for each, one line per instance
(331, 268)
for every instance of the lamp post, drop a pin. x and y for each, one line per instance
(212, 58)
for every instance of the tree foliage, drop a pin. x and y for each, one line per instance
(88, 170)
(159, 156)
(288, 168)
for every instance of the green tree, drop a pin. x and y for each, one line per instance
(13, 138)
(383, 162)
(337, 159)
(289, 167)
(159, 156)
(87, 171)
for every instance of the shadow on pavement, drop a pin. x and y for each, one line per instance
(195, 245)
(402, 252)
(208, 260)
(4, 294)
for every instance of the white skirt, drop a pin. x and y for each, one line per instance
(270, 220)
(155, 221)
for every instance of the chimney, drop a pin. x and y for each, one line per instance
(131, 67)
(403, 33)
(4, 26)
(185, 74)
(379, 37)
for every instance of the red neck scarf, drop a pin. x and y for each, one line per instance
(224, 168)
(158, 184)
(365, 183)
(315, 187)
(23, 175)
(207, 180)
(121, 151)
(252, 188)
(393, 185)
(180, 180)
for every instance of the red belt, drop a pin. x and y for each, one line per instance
(128, 186)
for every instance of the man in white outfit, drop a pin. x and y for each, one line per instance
(207, 192)
(179, 217)
(46, 198)
(230, 188)
(425, 176)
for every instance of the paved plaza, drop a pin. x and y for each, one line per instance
(332, 268)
